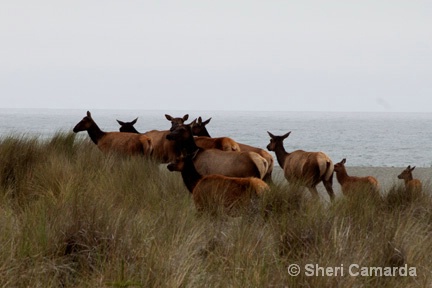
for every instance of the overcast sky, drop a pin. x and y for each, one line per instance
(309, 55)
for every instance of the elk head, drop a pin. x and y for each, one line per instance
(407, 173)
(176, 121)
(128, 126)
(339, 166)
(276, 141)
(84, 124)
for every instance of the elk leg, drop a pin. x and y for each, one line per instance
(329, 187)
(314, 191)
(268, 178)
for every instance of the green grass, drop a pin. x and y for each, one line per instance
(71, 216)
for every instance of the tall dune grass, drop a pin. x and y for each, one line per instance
(71, 216)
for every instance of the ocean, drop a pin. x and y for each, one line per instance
(364, 139)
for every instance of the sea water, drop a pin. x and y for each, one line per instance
(364, 139)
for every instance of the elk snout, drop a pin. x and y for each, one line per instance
(171, 166)
(76, 129)
(269, 148)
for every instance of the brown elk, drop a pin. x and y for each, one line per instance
(215, 161)
(221, 143)
(199, 129)
(164, 151)
(211, 192)
(124, 143)
(354, 184)
(303, 168)
(411, 184)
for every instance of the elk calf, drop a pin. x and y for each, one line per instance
(411, 184)
(354, 184)
(215, 192)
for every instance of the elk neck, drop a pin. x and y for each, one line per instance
(342, 175)
(281, 154)
(188, 145)
(203, 132)
(190, 175)
(95, 133)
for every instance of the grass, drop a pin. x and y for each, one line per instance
(73, 217)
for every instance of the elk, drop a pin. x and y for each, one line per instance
(123, 143)
(411, 184)
(221, 143)
(215, 161)
(303, 168)
(233, 194)
(164, 151)
(353, 184)
(199, 129)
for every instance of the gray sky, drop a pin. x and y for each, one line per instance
(309, 55)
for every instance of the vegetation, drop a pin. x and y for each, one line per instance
(71, 216)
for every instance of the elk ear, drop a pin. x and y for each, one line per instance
(88, 114)
(193, 122)
(168, 117)
(120, 122)
(412, 168)
(271, 135)
(134, 121)
(286, 135)
(343, 161)
(206, 122)
(185, 117)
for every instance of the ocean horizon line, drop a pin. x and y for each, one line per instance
(207, 110)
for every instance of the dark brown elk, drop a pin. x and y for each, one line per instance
(128, 126)
(303, 168)
(354, 184)
(411, 184)
(124, 143)
(164, 151)
(199, 129)
(215, 161)
(213, 192)
(221, 143)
